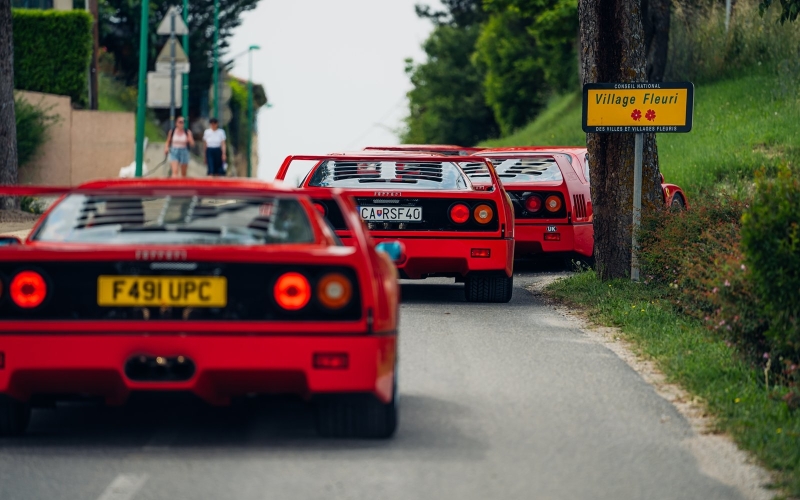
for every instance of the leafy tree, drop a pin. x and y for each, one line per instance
(527, 49)
(119, 33)
(446, 105)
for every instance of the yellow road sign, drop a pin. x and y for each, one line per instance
(638, 107)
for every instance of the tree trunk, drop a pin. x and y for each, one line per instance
(612, 50)
(8, 124)
(655, 20)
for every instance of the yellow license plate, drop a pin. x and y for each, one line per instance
(162, 291)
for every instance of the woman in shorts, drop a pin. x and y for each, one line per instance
(179, 140)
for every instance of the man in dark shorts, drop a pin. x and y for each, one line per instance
(214, 140)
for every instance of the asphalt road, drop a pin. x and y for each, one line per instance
(504, 401)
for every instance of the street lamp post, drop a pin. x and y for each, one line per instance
(216, 59)
(186, 75)
(141, 107)
(250, 110)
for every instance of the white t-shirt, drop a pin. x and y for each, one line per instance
(214, 138)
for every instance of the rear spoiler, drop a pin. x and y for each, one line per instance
(404, 157)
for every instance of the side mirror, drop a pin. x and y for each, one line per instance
(7, 240)
(394, 249)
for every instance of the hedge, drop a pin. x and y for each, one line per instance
(52, 51)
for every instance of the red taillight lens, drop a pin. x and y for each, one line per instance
(28, 289)
(334, 291)
(321, 208)
(459, 213)
(292, 291)
(552, 203)
(480, 253)
(533, 203)
(331, 360)
(552, 237)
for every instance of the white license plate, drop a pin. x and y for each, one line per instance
(390, 214)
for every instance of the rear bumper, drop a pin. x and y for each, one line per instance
(226, 366)
(573, 238)
(451, 256)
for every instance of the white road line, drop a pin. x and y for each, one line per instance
(124, 487)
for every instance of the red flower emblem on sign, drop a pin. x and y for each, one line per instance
(651, 115)
(636, 115)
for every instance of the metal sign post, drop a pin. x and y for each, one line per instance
(620, 108)
(172, 15)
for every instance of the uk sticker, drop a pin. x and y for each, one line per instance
(552, 229)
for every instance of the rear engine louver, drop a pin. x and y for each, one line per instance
(579, 203)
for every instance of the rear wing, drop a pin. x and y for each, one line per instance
(537, 161)
(461, 162)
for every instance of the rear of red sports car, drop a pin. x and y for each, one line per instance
(448, 227)
(222, 290)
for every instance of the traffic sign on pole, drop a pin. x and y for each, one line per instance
(637, 108)
(165, 27)
(164, 59)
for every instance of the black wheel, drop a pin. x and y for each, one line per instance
(488, 288)
(678, 203)
(14, 416)
(356, 416)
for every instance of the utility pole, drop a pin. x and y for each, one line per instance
(93, 89)
(186, 76)
(250, 110)
(141, 107)
(216, 59)
(172, 42)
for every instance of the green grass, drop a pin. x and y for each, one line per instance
(112, 96)
(739, 126)
(688, 354)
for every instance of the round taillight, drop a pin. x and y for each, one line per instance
(28, 289)
(552, 203)
(459, 213)
(533, 203)
(334, 291)
(292, 291)
(483, 214)
(321, 208)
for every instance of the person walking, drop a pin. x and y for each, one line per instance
(179, 140)
(214, 139)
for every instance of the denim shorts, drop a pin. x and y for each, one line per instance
(181, 155)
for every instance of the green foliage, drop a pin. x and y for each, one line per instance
(52, 51)
(733, 390)
(446, 105)
(771, 241)
(527, 48)
(31, 205)
(789, 9)
(120, 28)
(32, 124)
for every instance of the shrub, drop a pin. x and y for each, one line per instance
(52, 50)
(771, 241)
(697, 255)
(32, 124)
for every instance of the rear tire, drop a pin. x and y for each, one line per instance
(14, 416)
(356, 416)
(677, 203)
(488, 288)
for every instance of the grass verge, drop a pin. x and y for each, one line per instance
(739, 126)
(735, 392)
(112, 96)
